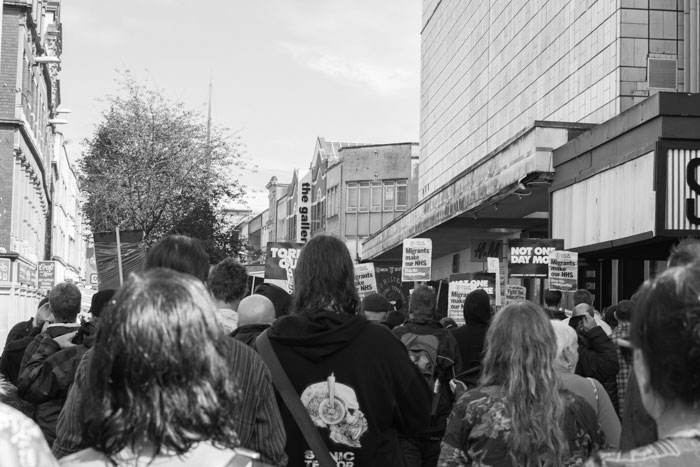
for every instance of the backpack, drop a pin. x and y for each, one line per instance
(423, 349)
(464, 381)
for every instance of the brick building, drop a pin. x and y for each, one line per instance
(30, 50)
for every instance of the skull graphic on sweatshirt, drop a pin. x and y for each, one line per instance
(334, 405)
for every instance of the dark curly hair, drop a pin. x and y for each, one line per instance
(324, 278)
(228, 281)
(179, 253)
(666, 329)
(159, 374)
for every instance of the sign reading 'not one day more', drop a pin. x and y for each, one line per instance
(529, 257)
(416, 259)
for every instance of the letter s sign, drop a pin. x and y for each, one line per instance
(692, 181)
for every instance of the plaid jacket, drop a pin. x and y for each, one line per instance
(622, 331)
(45, 374)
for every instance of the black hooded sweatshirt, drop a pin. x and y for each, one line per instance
(377, 391)
(462, 348)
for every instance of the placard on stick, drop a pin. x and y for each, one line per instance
(417, 259)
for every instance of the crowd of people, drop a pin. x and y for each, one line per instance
(184, 365)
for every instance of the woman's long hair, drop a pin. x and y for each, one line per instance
(519, 358)
(159, 375)
(324, 278)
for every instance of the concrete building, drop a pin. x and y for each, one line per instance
(350, 190)
(503, 84)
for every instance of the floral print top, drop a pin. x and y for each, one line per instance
(22, 443)
(479, 427)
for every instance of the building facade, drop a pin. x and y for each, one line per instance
(68, 239)
(503, 84)
(39, 201)
(350, 191)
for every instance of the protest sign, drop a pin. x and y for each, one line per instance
(495, 267)
(280, 262)
(388, 276)
(417, 259)
(529, 257)
(514, 293)
(563, 270)
(459, 287)
(365, 279)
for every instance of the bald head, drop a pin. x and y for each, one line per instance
(256, 309)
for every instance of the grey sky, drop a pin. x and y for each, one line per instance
(284, 71)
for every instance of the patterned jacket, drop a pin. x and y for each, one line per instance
(46, 373)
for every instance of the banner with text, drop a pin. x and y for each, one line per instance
(529, 257)
(303, 208)
(365, 279)
(563, 270)
(280, 262)
(388, 276)
(514, 293)
(460, 286)
(417, 259)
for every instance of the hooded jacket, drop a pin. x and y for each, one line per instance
(377, 392)
(463, 347)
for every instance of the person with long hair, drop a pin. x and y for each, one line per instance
(257, 417)
(520, 415)
(354, 378)
(665, 336)
(161, 385)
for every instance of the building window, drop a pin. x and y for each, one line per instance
(364, 197)
(401, 195)
(389, 196)
(376, 203)
(333, 202)
(352, 197)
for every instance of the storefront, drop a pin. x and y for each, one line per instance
(626, 191)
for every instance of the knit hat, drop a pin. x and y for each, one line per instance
(376, 302)
(277, 295)
(100, 300)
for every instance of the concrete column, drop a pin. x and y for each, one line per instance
(686, 45)
(694, 46)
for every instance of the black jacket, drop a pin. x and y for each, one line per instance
(14, 351)
(597, 358)
(248, 333)
(378, 393)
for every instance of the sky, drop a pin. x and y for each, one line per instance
(283, 72)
